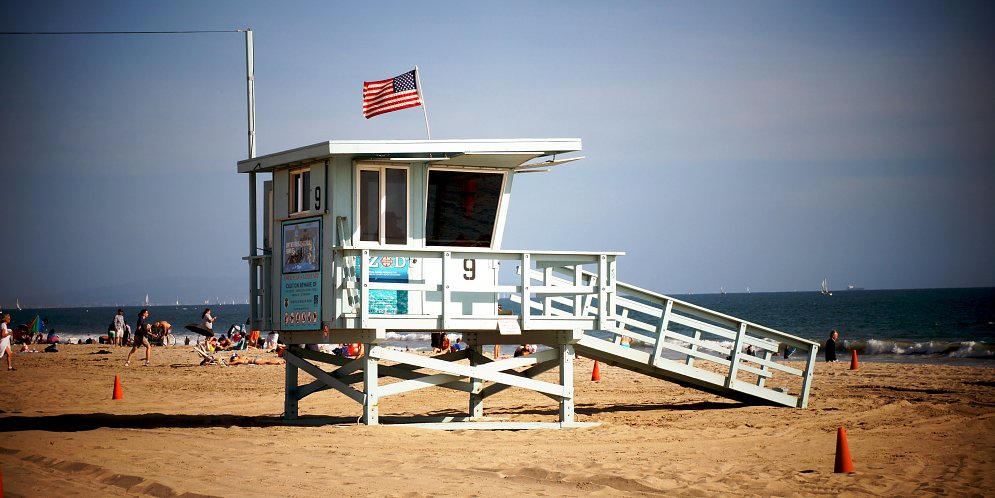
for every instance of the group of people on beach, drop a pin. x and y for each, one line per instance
(22, 335)
(442, 344)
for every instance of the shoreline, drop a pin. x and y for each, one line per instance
(183, 429)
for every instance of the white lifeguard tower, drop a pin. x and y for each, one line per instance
(365, 238)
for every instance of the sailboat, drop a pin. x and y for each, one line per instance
(722, 290)
(825, 287)
(146, 303)
(18, 304)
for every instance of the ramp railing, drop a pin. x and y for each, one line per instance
(692, 344)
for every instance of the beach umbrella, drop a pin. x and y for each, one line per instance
(199, 329)
(35, 324)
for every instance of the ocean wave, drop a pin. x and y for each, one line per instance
(954, 349)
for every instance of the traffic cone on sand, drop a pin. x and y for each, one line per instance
(853, 360)
(596, 374)
(118, 394)
(843, 462)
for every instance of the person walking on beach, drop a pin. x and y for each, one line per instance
(142, 330)
(118, 328)
(831, 346)
(5, 338)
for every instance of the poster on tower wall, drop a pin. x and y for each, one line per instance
(300, 282)
(386, 269)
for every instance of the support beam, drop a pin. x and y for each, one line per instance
(566, 379)
(290, 396)
(371, 405)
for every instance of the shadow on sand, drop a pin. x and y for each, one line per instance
(91, 421)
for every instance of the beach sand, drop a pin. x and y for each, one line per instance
(183, 429)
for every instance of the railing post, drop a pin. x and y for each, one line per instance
(807, 376)
(618, 337)
(604, 283)
(578, 299)
(763, 368)
(447, 293)
(694, 347)
(364, 289)
(547, 302)
(734, 357)
(661, 332)
(526, 290)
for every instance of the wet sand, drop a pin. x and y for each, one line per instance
(187, 430)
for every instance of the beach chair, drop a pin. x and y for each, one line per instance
(209, 358)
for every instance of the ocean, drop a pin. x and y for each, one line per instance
(948, 326)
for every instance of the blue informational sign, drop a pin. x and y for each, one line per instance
(300, 283)
(301, 246)
(386, 269)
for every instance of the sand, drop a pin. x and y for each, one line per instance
(188, 430)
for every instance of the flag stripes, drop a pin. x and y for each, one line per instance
(393, 94)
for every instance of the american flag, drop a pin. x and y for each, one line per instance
(394, 94)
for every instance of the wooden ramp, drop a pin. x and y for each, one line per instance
(668, 339)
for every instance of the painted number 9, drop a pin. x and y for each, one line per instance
(317, 198)
(470, 266)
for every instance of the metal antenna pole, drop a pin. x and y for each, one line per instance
(250, 92)
(421, 96)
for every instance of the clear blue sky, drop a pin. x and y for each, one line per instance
(761, 144)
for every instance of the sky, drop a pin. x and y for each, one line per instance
(728, 145)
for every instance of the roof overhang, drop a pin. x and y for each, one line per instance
(490, 153)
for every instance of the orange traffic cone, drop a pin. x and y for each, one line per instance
(843, 462)
(596, 374)
(118, 394)
(853, 360)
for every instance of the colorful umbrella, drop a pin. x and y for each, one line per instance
(35, 324)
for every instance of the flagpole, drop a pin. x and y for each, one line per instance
(421, 96)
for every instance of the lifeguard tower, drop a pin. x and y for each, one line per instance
(365, 238)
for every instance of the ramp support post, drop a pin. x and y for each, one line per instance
(291, 395)
(566, 353)
(371, 402)
(476, 408)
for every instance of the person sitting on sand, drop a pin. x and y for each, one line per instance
(255, 360)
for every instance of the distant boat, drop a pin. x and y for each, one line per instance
(146, 303)
(18, 304)
(825, 287)
(851, 287)
(747, 289)
(722, 290)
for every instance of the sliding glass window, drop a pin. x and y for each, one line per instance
(383, 205)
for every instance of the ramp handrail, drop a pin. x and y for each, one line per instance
(679, 334)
